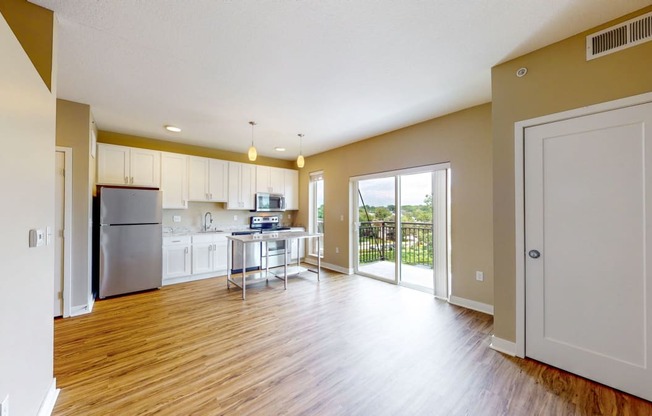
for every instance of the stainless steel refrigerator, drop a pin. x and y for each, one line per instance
(130, 258)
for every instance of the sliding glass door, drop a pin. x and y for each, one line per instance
(401, 228)
(377, 228)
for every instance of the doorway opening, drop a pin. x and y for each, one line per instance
(401, 232)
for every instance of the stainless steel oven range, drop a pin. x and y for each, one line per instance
(275, 249)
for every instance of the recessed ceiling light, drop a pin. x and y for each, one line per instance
(173, 129)
(280, 149)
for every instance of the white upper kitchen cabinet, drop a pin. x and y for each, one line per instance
(207, 179)
(122, 165)
(218, 179)
(174, 180)
(242, 186)
(291, 190)
(270, 180)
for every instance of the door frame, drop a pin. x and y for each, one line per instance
(444, 267)
(67, 231)
(519, 200)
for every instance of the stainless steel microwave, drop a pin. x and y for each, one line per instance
(269, 202)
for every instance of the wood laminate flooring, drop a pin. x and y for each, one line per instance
(347, 345)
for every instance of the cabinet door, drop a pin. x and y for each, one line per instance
(197, 178)
(220, 260)
(202, 258)
(263, 179)
(174, 181)
(176, 261)
(247, 186)
(218, 180)
(276, 180)
(145, 168)
(291, 189)
(112, 164)
(233, 191)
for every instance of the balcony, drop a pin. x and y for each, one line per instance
(377, 247)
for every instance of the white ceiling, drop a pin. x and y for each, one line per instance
(338, 71)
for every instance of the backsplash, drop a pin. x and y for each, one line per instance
(193, 217)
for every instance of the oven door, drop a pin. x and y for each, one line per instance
(275, 254)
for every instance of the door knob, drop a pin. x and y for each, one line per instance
(534, 254)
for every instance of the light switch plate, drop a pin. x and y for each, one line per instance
(479, 276)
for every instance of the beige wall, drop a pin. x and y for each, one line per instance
(559, 78)
(165, 146)
(464, 140)
(33, 26)
(73, 130)
(27, 129)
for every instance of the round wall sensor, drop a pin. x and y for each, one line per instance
(521, 72)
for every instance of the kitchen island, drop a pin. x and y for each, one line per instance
(265, 274)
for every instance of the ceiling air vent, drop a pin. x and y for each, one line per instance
(622, 36)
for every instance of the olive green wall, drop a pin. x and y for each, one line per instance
(73, 130)
(559, 78)
(464, 140)
(33, 26)
(162, 145)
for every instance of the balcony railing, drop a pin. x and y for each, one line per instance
(377, 242)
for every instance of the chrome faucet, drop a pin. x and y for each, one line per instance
(207, 225)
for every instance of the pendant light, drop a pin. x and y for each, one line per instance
(252, 154)
(300, 161)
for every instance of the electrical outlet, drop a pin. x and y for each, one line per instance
(289, 216)
(341, 217)
(479, 276)
(235, 218)
(176, 218)
(337, 250)
(4, 407)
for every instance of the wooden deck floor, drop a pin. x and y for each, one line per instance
(347, 345)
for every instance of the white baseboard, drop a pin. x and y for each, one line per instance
(80, 310)
(472, 304)
(504, 346)
(329, 266)
(47, 406)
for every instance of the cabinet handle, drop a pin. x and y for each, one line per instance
(214, 247)
(176, 241)
(185, 203)
(132, 180)
(127, 180)
(210, 248)
(185, 250)
(207, 196)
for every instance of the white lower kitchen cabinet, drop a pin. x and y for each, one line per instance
(176, 257)
(194, 257)
(202, 257)
(209, 253)
(294, 246)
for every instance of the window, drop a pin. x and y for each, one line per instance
(316, 195)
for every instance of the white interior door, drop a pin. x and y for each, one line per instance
(59, 211)
(587, 206)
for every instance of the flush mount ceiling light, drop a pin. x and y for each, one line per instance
(280, 149)
(300, 161)
(173, 129)
(252, 154)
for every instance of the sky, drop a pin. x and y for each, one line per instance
(380, 192)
